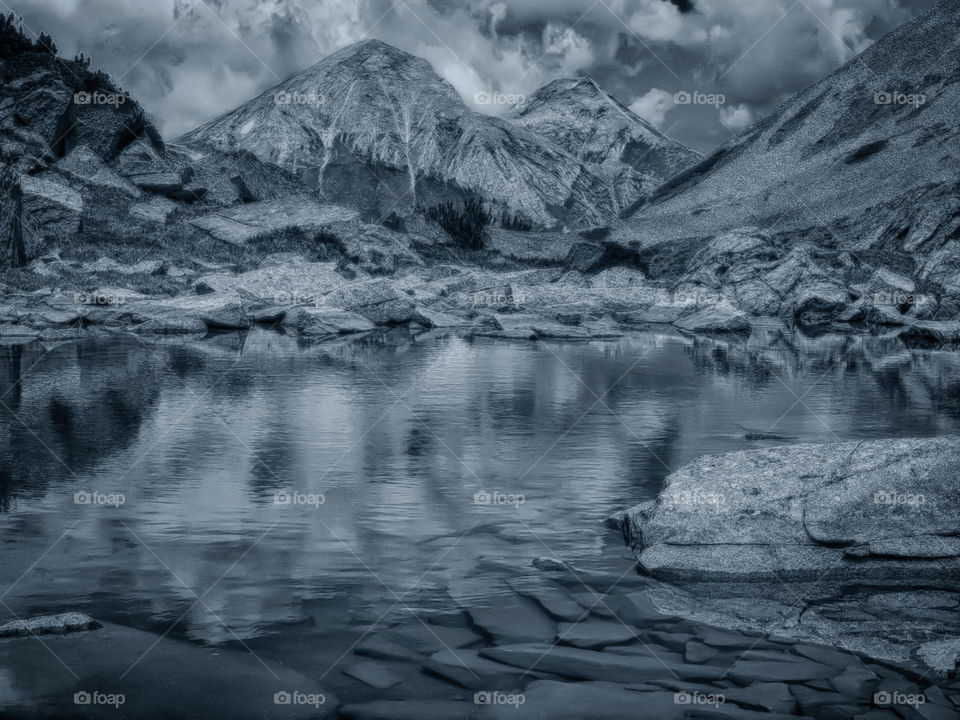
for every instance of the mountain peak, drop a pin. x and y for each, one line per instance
(373, 54)
(578, 115)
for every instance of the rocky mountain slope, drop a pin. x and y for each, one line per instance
(853, 175)
(377, 127)
(583, 119)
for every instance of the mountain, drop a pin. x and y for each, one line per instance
(858, 172)
(376, 127)
(583, 119)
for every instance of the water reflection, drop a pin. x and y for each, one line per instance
(399, 435)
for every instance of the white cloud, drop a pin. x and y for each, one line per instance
(736, 117)
(197, 60)
(653, 106)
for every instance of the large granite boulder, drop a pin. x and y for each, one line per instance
(319, 323)
(839, 543)
(377, 300)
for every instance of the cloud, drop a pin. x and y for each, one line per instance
(654, 106)
(189, 60)
(736, 117)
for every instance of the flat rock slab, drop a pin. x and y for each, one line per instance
(241, 224)
(374, 674)
(516, 619)
(642, 665)
(409, 710)
(551, 700)
(193, 681)
(432, 638)
(695, 652)
(555, 601)
(877, 516)
(595, 633)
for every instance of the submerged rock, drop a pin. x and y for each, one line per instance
(841, 525)
(125, 664)
(49, 625)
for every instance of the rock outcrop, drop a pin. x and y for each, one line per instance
(853, 544)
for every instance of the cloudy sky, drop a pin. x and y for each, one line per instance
(190, 60)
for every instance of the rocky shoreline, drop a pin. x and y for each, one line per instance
(851, 544)
(321, 300)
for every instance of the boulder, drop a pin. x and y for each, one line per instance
(161, 183)
(723, 318)
(819, 303)
(323, 322)
(939, 331)
(728, 532)
(217, 310)
(157, 211)
(888, 288)
(85, 166)
(377, 300)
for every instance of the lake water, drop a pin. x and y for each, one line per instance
(422, 472)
